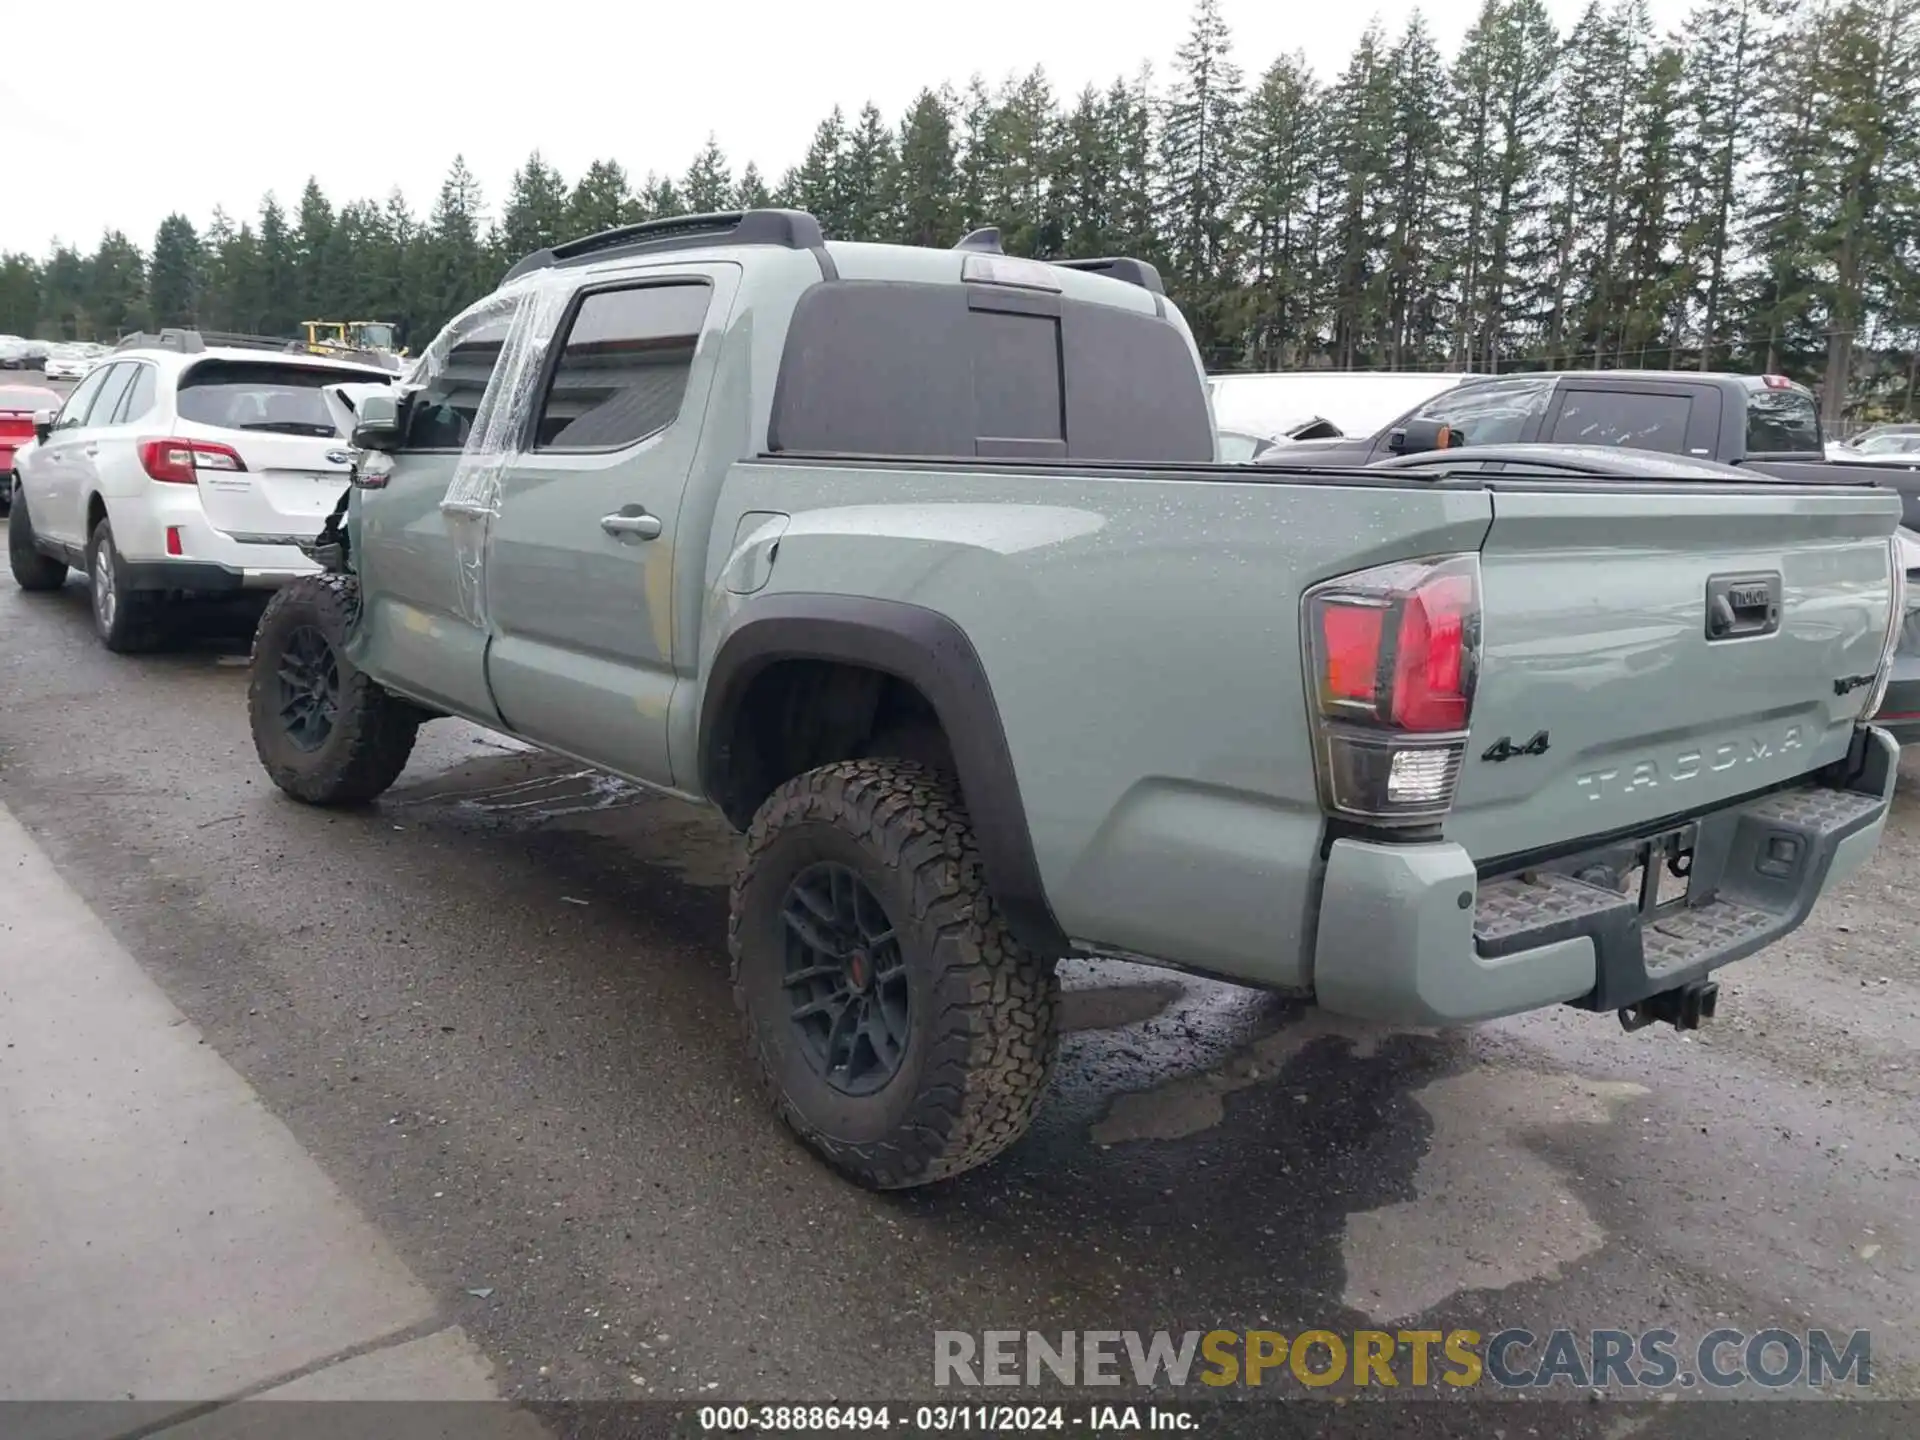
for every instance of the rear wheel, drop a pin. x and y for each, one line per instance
(31, 569)
(127, 621)
(899, 1027)
(325, 731)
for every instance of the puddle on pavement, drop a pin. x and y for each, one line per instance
(514, 788)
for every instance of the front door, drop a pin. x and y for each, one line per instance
(579, 567)
(59, 462)
(421, 631)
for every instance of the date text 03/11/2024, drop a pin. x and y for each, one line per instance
(942, 1419)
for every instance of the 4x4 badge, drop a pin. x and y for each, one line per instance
(1505, 749)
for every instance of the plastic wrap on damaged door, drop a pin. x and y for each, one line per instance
(499, 424)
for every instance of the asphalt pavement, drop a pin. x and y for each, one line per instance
(493, 1009)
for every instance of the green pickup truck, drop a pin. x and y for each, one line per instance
(920, 566)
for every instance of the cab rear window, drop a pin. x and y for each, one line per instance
(1782, 422)
(238, 395)
(887, 368)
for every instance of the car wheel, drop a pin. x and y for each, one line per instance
(899, 1028)
(126, 620)
(325, 731)
(31, 569)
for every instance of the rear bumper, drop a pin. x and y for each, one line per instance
(208, 562)
(1412, 934)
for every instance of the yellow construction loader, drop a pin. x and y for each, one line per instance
(355, 340)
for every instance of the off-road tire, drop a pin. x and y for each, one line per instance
(373, 730)
(31, 569)
(135, 622)
(983, 1030)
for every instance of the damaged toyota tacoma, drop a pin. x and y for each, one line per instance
(921, 568)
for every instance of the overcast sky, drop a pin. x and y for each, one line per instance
(116, 112)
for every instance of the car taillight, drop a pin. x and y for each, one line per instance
(1896, 627)
(1392, 654)
(179, 461)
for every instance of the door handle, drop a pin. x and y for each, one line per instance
(631, 520)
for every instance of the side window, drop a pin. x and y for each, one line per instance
(139, 397)
(1498, 412)
(452, 377)
(73, 414)
(1782, 422)
(107, 404)
(1627, 419)
(622, 371)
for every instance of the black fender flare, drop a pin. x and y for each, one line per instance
(929, 651)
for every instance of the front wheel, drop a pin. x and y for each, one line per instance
(325, 731)
(899, 1027)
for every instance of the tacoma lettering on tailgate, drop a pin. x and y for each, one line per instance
(1654, 771)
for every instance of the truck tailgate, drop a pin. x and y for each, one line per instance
(1599, 620)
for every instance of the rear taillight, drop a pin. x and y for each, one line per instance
(1896, 627)
(1392, 655)
(179, 462)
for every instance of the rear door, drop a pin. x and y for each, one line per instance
(1678, 419)
(580, 565)
(270, 459)
(1599, 635)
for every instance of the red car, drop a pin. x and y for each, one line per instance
(17, 404)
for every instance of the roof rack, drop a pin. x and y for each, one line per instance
(789, 229)
(192, 342)
(1134, 272)
(1119, 267)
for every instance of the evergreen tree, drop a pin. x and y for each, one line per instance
(752, 192)
(116, 293)
(20, 295)
(320, 290)
(926, 200)
(1130, 135)
(1724, 44)
(869, 180)
(1356, 189)
(978, 161)
(1088, 180)
(1279, 313)
(1200, 176)
(177, 274)
(1021, 193)
(818, 186)
(535, 214)
(708, 187)
(1501, 117)
(278, 297)
(454, 269)
(603, 200)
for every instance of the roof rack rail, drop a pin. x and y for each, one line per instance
(1117, 267)
(192, 342)
(986, 240)
(789, 229)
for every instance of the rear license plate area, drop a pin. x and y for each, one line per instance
(1660, 875)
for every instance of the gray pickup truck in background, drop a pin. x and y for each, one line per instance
(920, 566)
(1766, 423)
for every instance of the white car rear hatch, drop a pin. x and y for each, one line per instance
(263, 444)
